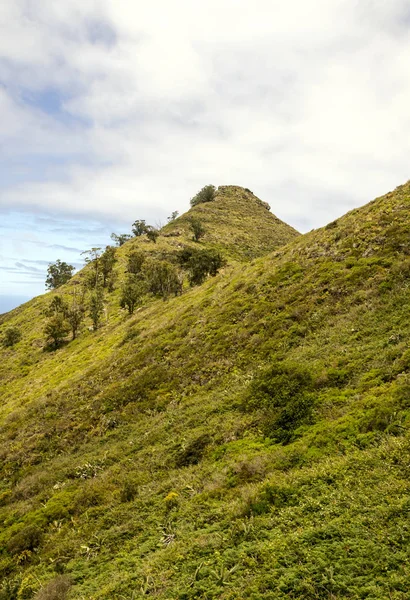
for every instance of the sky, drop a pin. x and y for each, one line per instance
(112, 111)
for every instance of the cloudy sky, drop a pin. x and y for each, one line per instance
(112, 110)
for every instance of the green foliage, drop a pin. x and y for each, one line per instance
(197, 229)
(200, 263)
(139, 227)
(121, 238)
(107, 262)
(132, 292)
(135, 262)
(193, 452)
(152, 234)
(74, 315)
(206, 194)
(130, 450)
(163, 278)
(11, 336)
(284, 395)
(92, 257)
(96, 307)
(56, 329)
(173, 217)
(27, 539)
(58, 274)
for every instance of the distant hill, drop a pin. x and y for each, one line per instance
(247, 438)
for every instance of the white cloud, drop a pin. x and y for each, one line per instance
(305, 102)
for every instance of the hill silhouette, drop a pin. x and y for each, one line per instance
(245, 439)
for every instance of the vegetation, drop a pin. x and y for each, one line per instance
(107, 262)
(173, 216)
(96, 307)
(206, 194)
(248, 438)
(152, 234)
(200, 263)
(139, 227)
(58, 274)
(120, 239)
(197, 229)
(12, 336)
(132, 292)
(163, 278)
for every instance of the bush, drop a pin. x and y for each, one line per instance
(206, 194)
(57, 589)
(135, 262)
(28, 538)
(139, 227)
(193, 452)
(12, 336)
(152, 234)
(200, 264)
(284, 395)
(132, 292)
(197, 229)
(163, 278)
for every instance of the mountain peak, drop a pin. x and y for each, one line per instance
(236, 222)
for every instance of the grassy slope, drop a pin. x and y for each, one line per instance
(105, 429)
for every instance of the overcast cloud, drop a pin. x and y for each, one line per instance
(114, 110)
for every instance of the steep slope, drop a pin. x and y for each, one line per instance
(248, 439)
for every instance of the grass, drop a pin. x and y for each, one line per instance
(144, 459)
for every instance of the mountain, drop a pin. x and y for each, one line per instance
(247, 438)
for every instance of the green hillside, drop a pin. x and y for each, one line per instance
(246, 439)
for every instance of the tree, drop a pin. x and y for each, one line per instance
(56, 329)
(197, 228)
(75, 316)
(96, 307)
(12, 335)
(120, 239)
(56, 306)
(58, 274)
(173, 217)
(92, 257)
(139, 227)
(200, 264)
(107, 262)
(206, 194)
(132, 292)
(163, 278)
(135, 262)
(152, 234)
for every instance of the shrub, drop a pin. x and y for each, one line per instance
(56, 330)
(284, 395)
(135, 262)
(163, 278)
(206, 194)
(197, 229)
(12, 336)
(57, 589)
(152, 234)
(200, 264)
(193, 452)
(9, 589)
(28, 538)
(96, 307)
(139, 227)
(132, 292)
(107, 262)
